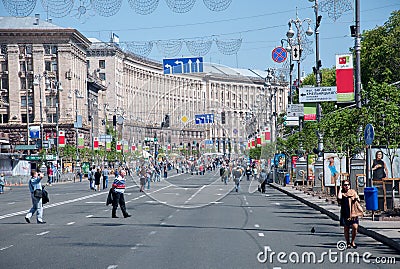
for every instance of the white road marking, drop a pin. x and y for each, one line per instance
(170, 216)
(267, 195)
(261, 234)
(247, 203)
(217, 202)
(4, 248)
(251, 211)
(89, 216)
(162, 223)
(58, 204)
(113, 266)
(70, 223)
(194, 194)
(277, 204)
(43, 233)
(102, 202)
(256, 225)
(152, 232)
(11, 203)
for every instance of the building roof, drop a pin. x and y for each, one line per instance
(26, 23)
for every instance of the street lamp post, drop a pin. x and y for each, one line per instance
(289, 49)
(38, 82)
(92, 103)
(78, 123)
(57, 88)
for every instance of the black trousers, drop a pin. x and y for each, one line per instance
(118, 199)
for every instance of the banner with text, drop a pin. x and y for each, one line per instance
(344, 78)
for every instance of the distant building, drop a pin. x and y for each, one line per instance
(101, 80)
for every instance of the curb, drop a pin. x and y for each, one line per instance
(365, 231)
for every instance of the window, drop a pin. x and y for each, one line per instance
(54, 66)
(3, 118)
(4, 83)
(49, 49)
(102, 76)
(23, 118)
(4, 66)
(51, 101)
(23, 101)
(23, 83)
(51, 118)
(22, 66)
(3, 49)
(102, 64)
(47, 65)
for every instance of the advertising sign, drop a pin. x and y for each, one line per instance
(345, 78)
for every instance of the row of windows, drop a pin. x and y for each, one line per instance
(50, 118)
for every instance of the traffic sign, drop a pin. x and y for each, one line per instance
(369, 134)
(183, 65)
(295, 110)
(317, 94)
(279, 54)
(296, 54)
(204, 118)
(292, 121)
(32, 158)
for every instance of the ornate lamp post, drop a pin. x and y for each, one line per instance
(54, 86)
(78, 122)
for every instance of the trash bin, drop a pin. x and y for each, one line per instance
(371, 198)
(287, 178)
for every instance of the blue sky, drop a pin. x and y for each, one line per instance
(261, 24)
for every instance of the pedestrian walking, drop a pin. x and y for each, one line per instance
(35, 188)
(248, 172)
(118, 189)
(2, 183)
(237, 174)
(142, 177)
(49, 175)
(105, 173)
(263, 180)
(97, 178)
(350, 211)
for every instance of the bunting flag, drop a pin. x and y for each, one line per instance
(267, 135)
(345, 78)
(169, 147)
(81, 141)
(253, 143)
(310, 112)
(248, 144)
(61, 139)
(258, 140)
(126, 147)
(118, 146)
(95, 143)
(108, 146)
(133, 148)
(140, 148)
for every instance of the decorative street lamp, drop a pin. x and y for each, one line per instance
(296, 45)
(38, 82)
(78, 123)
(54, 86)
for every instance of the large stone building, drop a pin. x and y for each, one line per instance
(101, 81)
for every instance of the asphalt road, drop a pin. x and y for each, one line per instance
(188, 221)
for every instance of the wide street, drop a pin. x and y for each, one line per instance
(188, 221)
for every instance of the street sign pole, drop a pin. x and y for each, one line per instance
(368, 137)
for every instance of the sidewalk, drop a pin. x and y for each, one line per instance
(386, 232)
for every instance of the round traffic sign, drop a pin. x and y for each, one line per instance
(369, 134)
(279, 54)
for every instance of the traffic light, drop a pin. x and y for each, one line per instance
(223, 119)
(166, 121)
(90, 118)
(115, 120)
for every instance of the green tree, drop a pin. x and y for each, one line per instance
(380, 52)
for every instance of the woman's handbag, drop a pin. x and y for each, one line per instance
(45, 196)
(356, 210)
(38, 193)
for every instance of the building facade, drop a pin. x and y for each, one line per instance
(102, 83)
